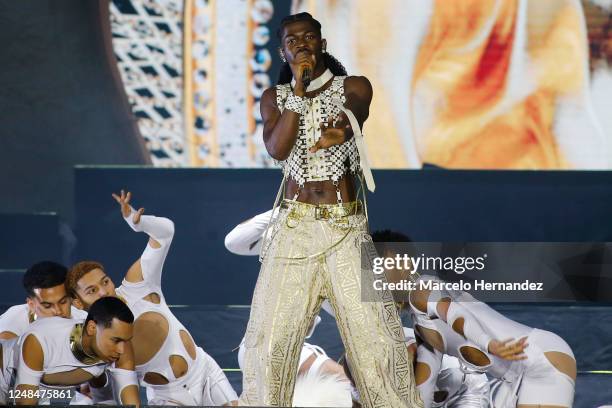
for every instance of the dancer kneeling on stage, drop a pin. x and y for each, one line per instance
(174, 370)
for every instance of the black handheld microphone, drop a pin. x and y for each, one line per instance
(306, 77)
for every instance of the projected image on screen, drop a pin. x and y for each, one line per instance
(471, 84)
(477, 83)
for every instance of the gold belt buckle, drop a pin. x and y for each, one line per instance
(339, 214)
(321, 213)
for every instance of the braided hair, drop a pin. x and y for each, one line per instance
(285, 75)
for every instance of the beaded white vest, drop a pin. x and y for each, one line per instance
(326, 164)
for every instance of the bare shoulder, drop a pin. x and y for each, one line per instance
(32, 353)
(358, 85)
(419, 298)
(268, 107)
(269, 96)
(7, 335)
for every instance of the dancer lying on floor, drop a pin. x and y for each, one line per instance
(531, 368)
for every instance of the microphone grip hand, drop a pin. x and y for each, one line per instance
(300, 69)
(306, 76)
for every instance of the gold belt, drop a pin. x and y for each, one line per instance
(321, 211)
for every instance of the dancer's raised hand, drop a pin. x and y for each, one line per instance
(126, 209)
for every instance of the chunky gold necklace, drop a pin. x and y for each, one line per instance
(76, 346)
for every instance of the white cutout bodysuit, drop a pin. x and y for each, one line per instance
(204, 383)
(534, 381)
(53, 334)
(16, 320)
(461, 389)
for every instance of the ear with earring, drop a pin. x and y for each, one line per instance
(282, 56)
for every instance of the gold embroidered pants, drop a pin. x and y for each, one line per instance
(313, 255)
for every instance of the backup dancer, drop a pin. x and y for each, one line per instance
(539, 369)
(441, 380)
(60, 352)
(174, 370)
(46, 297)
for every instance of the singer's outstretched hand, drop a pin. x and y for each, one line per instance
(333, 133)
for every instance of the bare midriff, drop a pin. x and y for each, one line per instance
(322, 192)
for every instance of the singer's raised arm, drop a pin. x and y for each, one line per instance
(280, 131)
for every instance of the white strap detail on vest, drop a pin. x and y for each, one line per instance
(363, 159)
